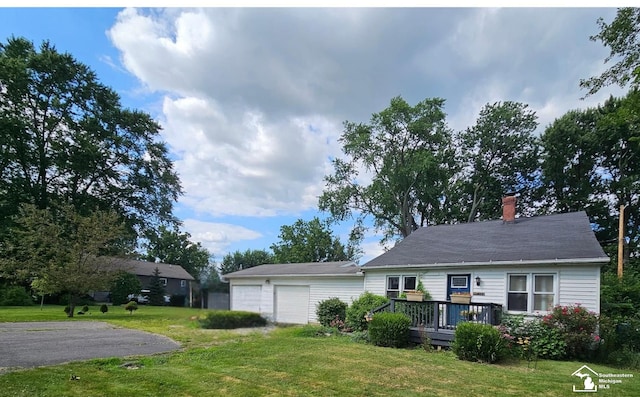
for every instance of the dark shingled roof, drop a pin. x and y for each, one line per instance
(543, 238)
(298, 269)
(144, 268)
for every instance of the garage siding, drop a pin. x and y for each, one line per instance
(347, 290)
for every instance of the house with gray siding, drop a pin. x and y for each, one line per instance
(174, 278)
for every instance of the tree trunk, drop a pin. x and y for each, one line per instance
(72, 305)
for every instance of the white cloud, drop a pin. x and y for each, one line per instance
(253, 99)
(217, 237)
(240, 163)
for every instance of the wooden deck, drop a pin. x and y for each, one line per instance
(438, 319)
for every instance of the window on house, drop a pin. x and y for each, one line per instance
(398, 284)
(526, 297)
(459, 282)
(518, 295)
(183, 283)
(543, 292)
(409, 283)
(163, 281)
(393, 286)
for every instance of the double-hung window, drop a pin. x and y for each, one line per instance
(530, 292)
(543, 294)
(396, 285)
(518, 297)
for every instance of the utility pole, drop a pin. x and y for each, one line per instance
(621, 241)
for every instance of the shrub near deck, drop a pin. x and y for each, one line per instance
(478, 342)
(224, 319)
(390, 329)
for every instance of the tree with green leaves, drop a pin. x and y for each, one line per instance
(124, 285)
(311, 241)
(156, 289)
(232, 262)
(592, 162)
(394, 170)
(211, 281)
(65, 138)
(499, 154)
(62, 249)
(175, 248)
(622, 36)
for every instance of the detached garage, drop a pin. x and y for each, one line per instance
(288, 293)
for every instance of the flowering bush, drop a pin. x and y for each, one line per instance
(531, 339)
(577, 326)
(339, 324)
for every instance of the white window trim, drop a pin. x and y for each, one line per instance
(164, 281)
(466, 281)
(530, 291)
(401, 278)
(183, 283)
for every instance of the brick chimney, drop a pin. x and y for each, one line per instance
(509, 209)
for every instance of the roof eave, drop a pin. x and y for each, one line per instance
(359, 274)
(586, 261)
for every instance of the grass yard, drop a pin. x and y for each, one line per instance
(286, 361)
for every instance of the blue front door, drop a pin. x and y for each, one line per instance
(457, 283)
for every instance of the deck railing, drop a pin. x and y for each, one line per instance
(443, 315)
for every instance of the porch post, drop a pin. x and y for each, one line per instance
(436, 316)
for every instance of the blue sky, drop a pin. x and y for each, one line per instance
(252, 100)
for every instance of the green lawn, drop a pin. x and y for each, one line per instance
(283, 362)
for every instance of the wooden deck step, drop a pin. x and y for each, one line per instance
(442, 337)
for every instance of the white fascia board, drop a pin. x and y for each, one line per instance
(576, 261)
(300, 275)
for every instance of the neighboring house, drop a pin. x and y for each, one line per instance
(175, 279)
(289, 293)
(525, 265)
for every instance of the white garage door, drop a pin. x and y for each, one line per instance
(246, 297)
(292, 304)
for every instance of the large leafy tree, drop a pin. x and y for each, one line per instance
(311, 241)
(395, 169)
(123, 285)
(592, 162)
(64, 137)
(239, 260)
(61, 250)
(622, 36)
(498, 154)
(173, 247)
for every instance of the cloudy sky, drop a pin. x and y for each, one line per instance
(252, 100)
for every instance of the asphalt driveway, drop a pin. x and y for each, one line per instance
(34, 344)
